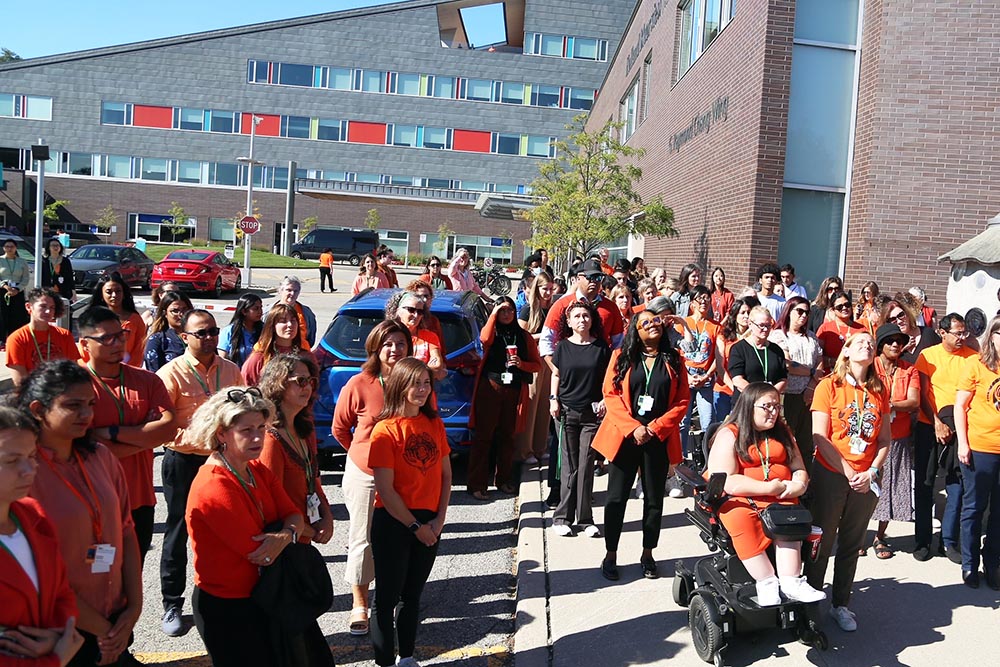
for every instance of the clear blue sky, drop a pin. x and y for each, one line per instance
(33, 29)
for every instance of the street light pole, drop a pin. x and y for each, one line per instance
(254, 122)
(40, 153)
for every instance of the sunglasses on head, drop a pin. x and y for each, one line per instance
(202, 334)
(111, 338)
(239, 395)
(303, 380)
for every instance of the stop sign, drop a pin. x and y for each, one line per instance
(248, 225)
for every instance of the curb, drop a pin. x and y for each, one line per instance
(531, 619)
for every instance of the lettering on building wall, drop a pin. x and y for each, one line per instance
(701, 123)
(644, 33)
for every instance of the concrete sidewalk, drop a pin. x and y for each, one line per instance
(909, 613)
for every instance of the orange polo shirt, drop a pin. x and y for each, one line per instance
(189, 384)
(984, 409)
(29, 351)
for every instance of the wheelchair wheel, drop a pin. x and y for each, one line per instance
(683, 585)
(705, 633)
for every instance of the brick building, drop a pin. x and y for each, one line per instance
(393, 107)
(845, 141)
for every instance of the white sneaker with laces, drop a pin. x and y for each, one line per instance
(592, 531)
(768, 594)
(845, 618)
(562, 529)
(796, 588)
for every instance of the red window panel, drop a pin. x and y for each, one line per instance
(270, 125)
(469, 140)
(147, 116)
(366, 133)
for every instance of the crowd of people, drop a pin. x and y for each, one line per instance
(607, 369)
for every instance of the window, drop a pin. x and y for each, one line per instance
(562, 46)
(188, 171)
(436, 137)
(257, 71)
(221, 229)
(222, 173)
(330, 130)
(438, 183)
(404, 135)
(190, 119)
(581, 98)
(159, 228)
(512, 93)
(479, 186)
(403, 180)
(408, 84)
(340, 78)
(508, 144)
(479, 90)
(224, 121)
(647, 68)
(585, 48)
(444, 86)
(116, 113)
(368, 178)
(552, 45)
(538, 146)
(81, 164)
(545, 96)
(39, 108)
(295, 127)
(626, 110)
(295, 75)
(701, 22)
(118, 166)
(6, 105)
(373, 81)
(153, 169)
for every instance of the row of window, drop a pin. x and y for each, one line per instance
(222, 173)
(565, 46)
(701, 23)
(630, 113)
(325, 129)
(33, 107)
(419, 85)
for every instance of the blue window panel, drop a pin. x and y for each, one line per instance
(512, 93)
(508, 144)
(520, 189)
(329, 130)
(405, 135)
(153, 218)
(224, 121)
(538, 146)
(552, 45)
(295, 127)
(391, 88)
(191, 119)
(295, 75)
(545, 96)
(584, 48)
(408, 84)
(435, 137)
(834, 21)
(368, 178)
(112, 113)
(603, 50)
(341, 78)
(569, 47)
(7, 105)
(188, 171)
(581, 98)
(356, 83)
(479, 90)
(222, 173)
(318, 75)
(373, 81)
(420, 135)
(444, 87)
(119, 166)
(811, 224)
(439, 183)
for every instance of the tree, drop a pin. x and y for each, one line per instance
(51, 211)
(441, 246)
(237, 234)
(8, 56)
(373, 219)
(586, 196)
(180, 226)
(106, 219)
(308, 224)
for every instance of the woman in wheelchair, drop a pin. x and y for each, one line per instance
(755, 449)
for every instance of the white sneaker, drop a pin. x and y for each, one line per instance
(562, 529)
(845, 618)
(768, 594)
(407, 662)
(592, 531)
(796, 588)
(676, 493)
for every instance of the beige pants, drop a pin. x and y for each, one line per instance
(534, 439)
(359, 499)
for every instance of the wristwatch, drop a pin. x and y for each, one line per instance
(113, 432)
(553, 397)
(415, 526)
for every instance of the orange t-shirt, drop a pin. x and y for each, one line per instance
(291, 469)
(326, 260)
(832, 334)
(840, 402)
(424, 341)
(413, 447)
(29, 351)
(721, 387)
(944, 369)
(984, 410)
(705, 334)
(899, 385)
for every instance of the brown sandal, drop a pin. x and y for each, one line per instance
(882, 550)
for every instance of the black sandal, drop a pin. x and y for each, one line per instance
(649, 569)
(609, 570)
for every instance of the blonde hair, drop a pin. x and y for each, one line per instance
(536, 317)
(220, 413)
(843, 367)
(620, 290)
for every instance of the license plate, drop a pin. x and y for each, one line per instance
(180, 272)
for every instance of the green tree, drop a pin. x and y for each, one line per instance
(106, 219)
(441, 246)
(308, 224)
(237, 234)
(51, 211)
(373, 219)
(586, 196)
(8, 56)
(180, 226)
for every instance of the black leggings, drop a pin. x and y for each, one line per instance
(651, 460)
(142, 517)
(235, 631)
(402, 565)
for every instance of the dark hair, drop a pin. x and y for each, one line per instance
(948, 320)
(700, 290)
(711, 277)
(432, 258)
(48, 382)
(822, 298)
(194, 312)
(841, 294)
(789, 268)
(786, 312)
(635, 262)
(596, 325)
(686, 272)
(771, 268)
(46, 253)
(563, 287)
(237, 353)
(742, 417)
(382, 253)
(38, 293)
(273, 382)
(730, 330)
(12, 417)
(375, 341)
(93, 316)
(633, 349)
(279, 311)
(160, 319)
(128, 301)
(404, 374)
(901, 303)
(329, 250)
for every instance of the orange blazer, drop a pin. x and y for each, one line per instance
(54, 602)
(618, 423)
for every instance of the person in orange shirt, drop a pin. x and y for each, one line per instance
(700, 361)
(114, 293)
(851, 436)
(409, 311)
(288, 294)
(280, 335)
(369, 277)
(835, 330)
(430, 321)
(326, 269)
(410, 457)
(977, 425)
(384, 261)
(39, 340)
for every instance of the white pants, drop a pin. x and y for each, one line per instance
(359, 498)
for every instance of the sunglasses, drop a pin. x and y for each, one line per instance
(433, 264)
(833, 288)
(110, 339)
(898, 341)
(202, 334)
(898, 316)
(239, 395)
(762, 327)
(596, 278)
(800, 311)
(842, 306)
(411, 310)
(703, 299)
(303, 380)
(961, 335)
(651, 322)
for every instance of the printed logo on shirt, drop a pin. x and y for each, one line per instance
(701, 352)
(993, 394)
(420, 451)
(859, 425)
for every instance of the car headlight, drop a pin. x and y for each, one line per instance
(97, 272)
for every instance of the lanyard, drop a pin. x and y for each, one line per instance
(765, 457)
(649, 373)
(246, 488)
(303, 450)
(48, 356)
(205, 383)
(762, 358)
(120, 399)
(93, 504)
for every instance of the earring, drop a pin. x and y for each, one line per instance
(222, 446)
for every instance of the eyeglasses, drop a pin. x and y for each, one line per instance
(239, 395)
(202, 334)
(961, 335)
(901, 315)
(411, 310)
(596, 277)
(842, 306)
(800, 311)
(111, 338)
(762, 327)
(770, 408)
(702, 299)
(303, 380)
(651, 322)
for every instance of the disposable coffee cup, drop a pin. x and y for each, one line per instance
(511, 352)
(815, 537)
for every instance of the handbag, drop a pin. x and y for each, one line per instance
(787, 523)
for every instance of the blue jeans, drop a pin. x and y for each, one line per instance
(982, 490)
(702, 397)
(723, 405)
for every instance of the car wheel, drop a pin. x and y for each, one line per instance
(355, 260)
(148, 284)
(296, 255)
(217, 291)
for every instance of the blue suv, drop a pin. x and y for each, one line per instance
(342, 351)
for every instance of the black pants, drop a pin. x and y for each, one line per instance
(576, 460)
(925, 450)
(13, 315)
(552, 473)
(493, 441)
(235, 631)
(89, 654)
(651, 461)
(178, 474)
(325, 274)
(402, 565)
(142, 517)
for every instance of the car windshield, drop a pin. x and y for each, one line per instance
(348, 332)
(97, 252)
(187, 255)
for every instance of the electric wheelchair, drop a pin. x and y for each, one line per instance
(719, 593)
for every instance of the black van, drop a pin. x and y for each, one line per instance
(347, 244)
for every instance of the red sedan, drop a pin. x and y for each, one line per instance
(198, 270)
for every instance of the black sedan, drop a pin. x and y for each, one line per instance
(91, 262)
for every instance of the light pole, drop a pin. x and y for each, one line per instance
(251, 163)
(40, 154)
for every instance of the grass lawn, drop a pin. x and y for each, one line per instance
(259, 259)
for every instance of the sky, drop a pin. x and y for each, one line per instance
(66, 25)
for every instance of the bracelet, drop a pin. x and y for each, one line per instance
(291, 529)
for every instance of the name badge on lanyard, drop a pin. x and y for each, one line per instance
(101, 557)
(645, 404)
(312, 507)
(858, 445)
(506, 378)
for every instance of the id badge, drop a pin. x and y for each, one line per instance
(645, 404)
(506, 378)
(101, 557)
(858, 445)
(875, 489)
(312, 508)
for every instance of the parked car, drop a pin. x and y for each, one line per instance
(199, 271)
(347, 244)
(342, 351)
(25, 249)
(92, 261)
